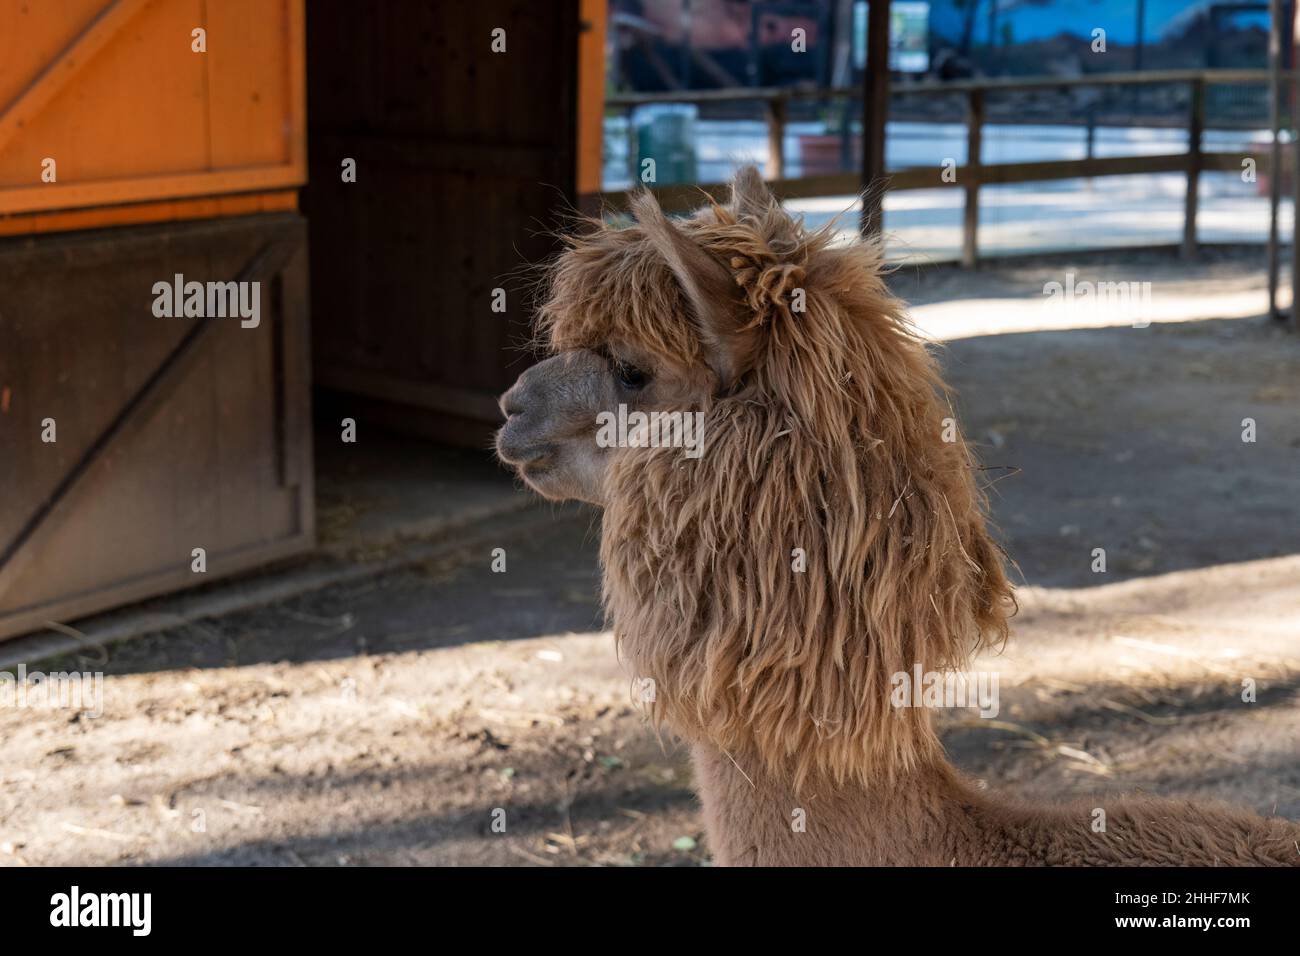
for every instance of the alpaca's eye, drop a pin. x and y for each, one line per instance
(630, 377)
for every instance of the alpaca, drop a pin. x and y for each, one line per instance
(827, 538)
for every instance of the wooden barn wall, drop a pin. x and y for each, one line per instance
(170, 433)
(464, 157)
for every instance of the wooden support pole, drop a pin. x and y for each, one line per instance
(1275, 148)
(593, 22)
(875, 113)
(1295, 171)
(1195, 131)
(776, 139)
(971, 213)
(633, 168)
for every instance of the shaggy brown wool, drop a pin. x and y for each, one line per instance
(833, 445)
(831, 536)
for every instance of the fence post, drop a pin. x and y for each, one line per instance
(1195, 128)
(1275, 148)
(1291, 87)
(632, 147)
(776, 139)
(875, 116)
(971, 213)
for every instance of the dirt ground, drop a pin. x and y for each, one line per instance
(392, 719)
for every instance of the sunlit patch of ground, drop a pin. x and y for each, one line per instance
(412, 757)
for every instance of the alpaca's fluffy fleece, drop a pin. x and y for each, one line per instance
(831, 441)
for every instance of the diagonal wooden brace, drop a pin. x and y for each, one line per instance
(55, 510)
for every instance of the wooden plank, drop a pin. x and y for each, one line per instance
(1295, 174)
(1195, 128)
(593, 27)
(136, 189)
(1231, 162)
(57, 508)
(999, 84)
(243, 559)
(1125, 78)
(29, 103)
(875, 117)
(1275, 25)
(776, 139)
(740, 94)
(974, 153)
(177, 210)
(247, 83)
(296, 65)
(1003, 173)
(91, 248)
(295, 369)
(684, 197)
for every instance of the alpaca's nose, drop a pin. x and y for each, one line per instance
(511, 403)
(515, 441)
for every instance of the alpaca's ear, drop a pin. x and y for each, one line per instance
(750, 195)
(710, 288)
(751, 200)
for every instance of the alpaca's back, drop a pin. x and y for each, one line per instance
(935, 817)
(1134, 831)
(1151, 831)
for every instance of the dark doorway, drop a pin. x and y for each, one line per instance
(462, 159)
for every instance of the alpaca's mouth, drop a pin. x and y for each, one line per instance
(532, 464)
(520, 454)
(529, 460)
(535, 469)
(540, 476)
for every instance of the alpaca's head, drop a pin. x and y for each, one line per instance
(643, 318)
(826, 531)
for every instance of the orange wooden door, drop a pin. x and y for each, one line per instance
(115, 94)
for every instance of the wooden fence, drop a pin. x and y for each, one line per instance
(970, 177)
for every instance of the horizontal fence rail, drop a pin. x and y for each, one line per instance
(1000, 84)
(974, 174)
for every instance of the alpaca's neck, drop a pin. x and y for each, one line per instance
(754, 818)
